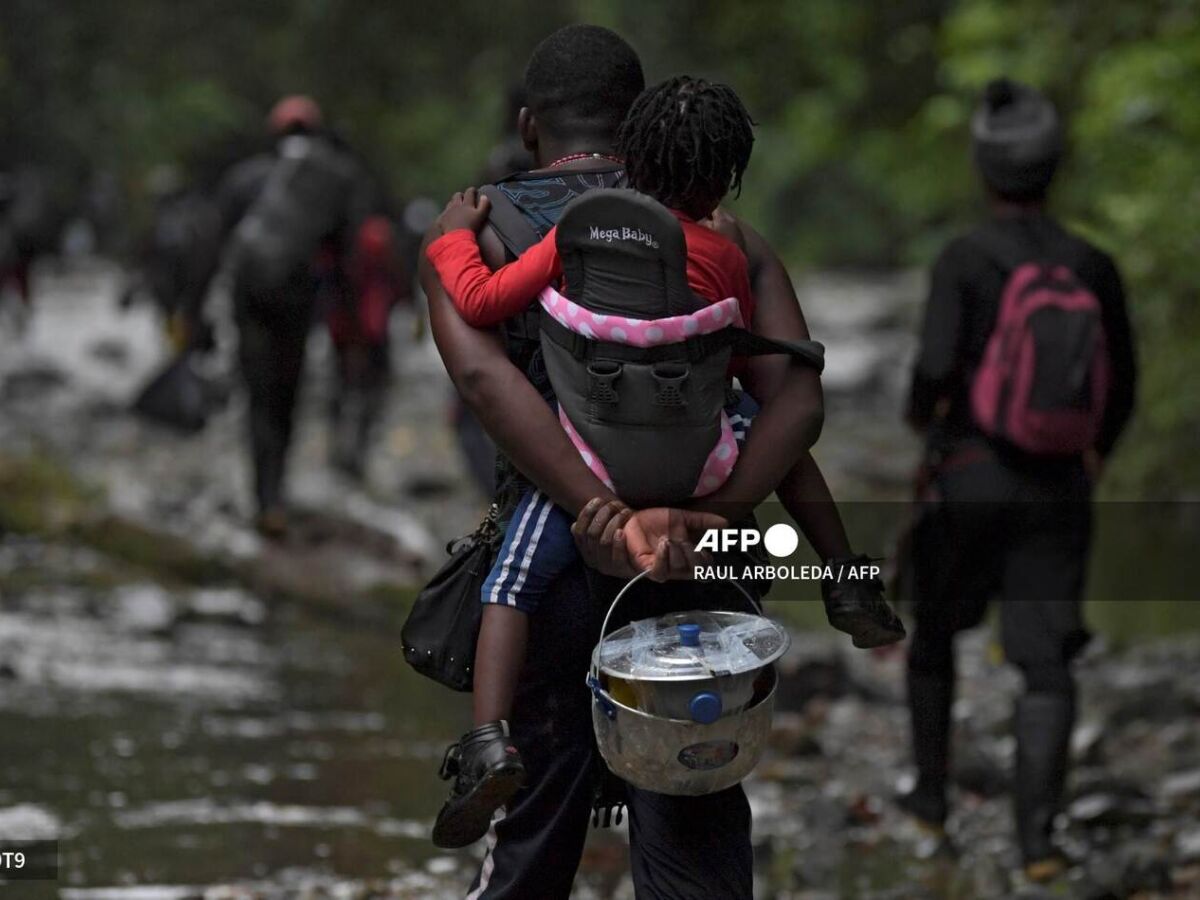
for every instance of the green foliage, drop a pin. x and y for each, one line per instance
(1128, 77)
(861, 158)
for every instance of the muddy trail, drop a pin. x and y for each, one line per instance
(196, 713)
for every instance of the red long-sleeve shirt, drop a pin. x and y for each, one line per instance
(716, 269)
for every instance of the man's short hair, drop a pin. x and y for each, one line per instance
(581, 80)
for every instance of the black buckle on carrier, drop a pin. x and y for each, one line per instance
(602, 375)
(669, 379)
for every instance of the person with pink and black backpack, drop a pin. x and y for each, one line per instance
(1024, 382)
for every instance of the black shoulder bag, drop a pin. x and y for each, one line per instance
(442, 628)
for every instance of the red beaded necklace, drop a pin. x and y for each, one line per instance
(575, 157)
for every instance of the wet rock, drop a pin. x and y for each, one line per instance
(31, 383)
(819, 864)
(1182, 739)
(794, 734)
(227, 606)
(865, 810)
(812, 668)
(1106, 809)
(1181, 786)
(112, 351)
(28, 822)
(1186, 880)
(978, 773)
(1187, 845)
(145, 608)
(442, 865)
(1087, 741)
(1125, 870)
(1095, 780)
(985, 877)
(1161, 701)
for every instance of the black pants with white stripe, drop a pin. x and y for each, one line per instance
(680, 847)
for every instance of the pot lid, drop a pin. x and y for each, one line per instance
(685, 646)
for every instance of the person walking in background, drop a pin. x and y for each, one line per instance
(1024, 382)
(286, 216)
(362, 294)
(176, 252)
(30, 225)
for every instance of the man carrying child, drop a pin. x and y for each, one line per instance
(580, 84)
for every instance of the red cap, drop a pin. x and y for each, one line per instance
(295, 111)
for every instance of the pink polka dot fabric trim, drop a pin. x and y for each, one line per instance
(719, 465)
(590, 457)
(716, 471)
(640, 332)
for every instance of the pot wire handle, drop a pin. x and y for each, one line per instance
(595, 669)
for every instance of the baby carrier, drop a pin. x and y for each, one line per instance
(638, 362)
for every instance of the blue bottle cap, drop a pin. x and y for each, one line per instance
(689, 635)
(705, 707)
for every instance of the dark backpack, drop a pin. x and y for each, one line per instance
(305, 198)
(1043, 380)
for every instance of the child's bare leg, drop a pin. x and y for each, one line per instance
(499, 656)
(485, 764)
(805, 495)
(855, 606)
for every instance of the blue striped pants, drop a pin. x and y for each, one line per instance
(538, 546)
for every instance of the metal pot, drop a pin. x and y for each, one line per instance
(695, 693)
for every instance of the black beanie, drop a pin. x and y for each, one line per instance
(1016, 139)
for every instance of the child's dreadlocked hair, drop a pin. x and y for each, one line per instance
(686, 142)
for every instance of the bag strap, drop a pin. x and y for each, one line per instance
(694, 349)
(747, 343)
(513, 229)
(517, 235)
(486, 532)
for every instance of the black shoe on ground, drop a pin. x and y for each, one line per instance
(857, 607)
(487, 771)
(928, 808)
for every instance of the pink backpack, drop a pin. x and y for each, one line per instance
(1043, 380)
